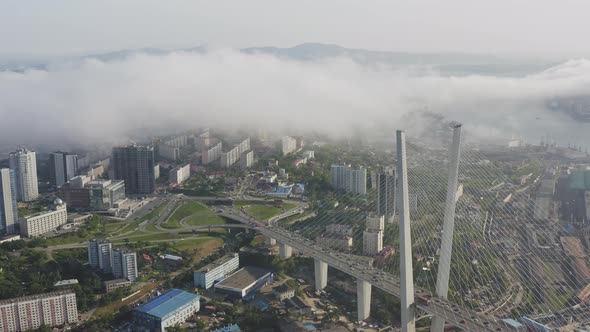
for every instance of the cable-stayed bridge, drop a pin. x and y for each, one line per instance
(475, 242)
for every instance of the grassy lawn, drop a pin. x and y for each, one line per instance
(206, 219)
(288, 206)
(292, 219)
(112, 227)
(152, 228)
(185, 210)
(262, 212)
(201, 243)
(155, 237)
(239, 204)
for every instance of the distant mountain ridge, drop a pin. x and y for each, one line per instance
(453, 63)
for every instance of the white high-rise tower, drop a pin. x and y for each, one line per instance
(24, 164)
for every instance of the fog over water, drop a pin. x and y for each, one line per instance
(89, 100)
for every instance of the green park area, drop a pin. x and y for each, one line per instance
(264, 210)
(196, 214)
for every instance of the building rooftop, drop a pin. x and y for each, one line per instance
(166, 303)
(216, 263)
(243, 277)
(580, 180)
(66, 282)
(117, 281)
(229, 328)
(282, 288)
(36, 297)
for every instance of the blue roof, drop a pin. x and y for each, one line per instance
(309, 326)
(230, 328)
(166, 303)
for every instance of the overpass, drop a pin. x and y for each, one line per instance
(366, 276)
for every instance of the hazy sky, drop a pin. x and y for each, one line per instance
(530, 27)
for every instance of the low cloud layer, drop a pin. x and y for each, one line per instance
(94, 101)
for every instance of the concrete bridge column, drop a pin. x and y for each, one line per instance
(285, 250)
(363, 299)
(321, 274)
(270, 241)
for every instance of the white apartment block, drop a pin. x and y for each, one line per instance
(222, 267)
(352, 181)
(8, 207)
(372, 242)
(232, 156)
(100, 252)
(30, 312)
(309, 154)
(168, 152)
(289, 145)
(46, 221)
(211, 154)
(124, 264)
(24, 164)
(375, 222)
(247, 159)
(180, 174)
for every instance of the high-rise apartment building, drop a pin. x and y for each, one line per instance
(45, 221)
(62, 167)
(180, 174)
(247, 160)
(386, 188)
(100, 253)
(24, 164)
(288, 145)
(135, 165)
(372, 242)
(125, 264)
(8, 209)
(373, 235)
(211, 153)
(31, 312)
(230, 157)
(352, 181)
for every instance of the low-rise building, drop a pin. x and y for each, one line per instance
(66, 283)
(216, 271)
(31, 312)
(46, 221)
(111, 285)
(335, 241)
(244, 283)
(283, 292)
(340, 229)
(169, 309)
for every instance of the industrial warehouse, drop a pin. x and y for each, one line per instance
(244, 283)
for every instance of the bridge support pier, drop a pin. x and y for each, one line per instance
(363, 299)
(270, 241)
(446, 247)
(285, 251)
(408, 316)
(321, 274)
